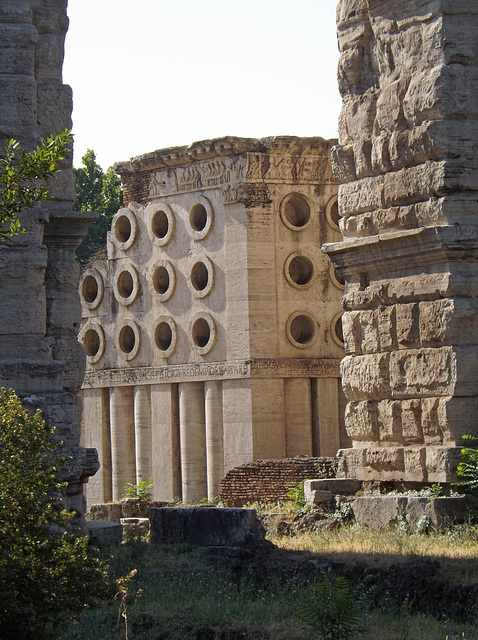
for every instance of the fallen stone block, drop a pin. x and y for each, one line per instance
(134, 528)
(206, 527)
(105, 532)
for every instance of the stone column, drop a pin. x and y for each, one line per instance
(165, 442)
(407, 161)
(122, 439)
(298, 417)
(214, 437)
(96, 434)
(193, 441)
(142, 431)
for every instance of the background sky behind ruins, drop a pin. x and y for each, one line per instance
(150, 74)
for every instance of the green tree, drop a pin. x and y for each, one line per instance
(21, 176)
(100, 191)
(47, 575)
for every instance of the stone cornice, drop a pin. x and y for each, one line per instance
(223, 147)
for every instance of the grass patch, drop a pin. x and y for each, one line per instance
(184, 596)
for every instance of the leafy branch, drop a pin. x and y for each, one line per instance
(21, 176)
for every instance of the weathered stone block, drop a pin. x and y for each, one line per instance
(206, 527)
(334, 486)
(105, 532)
(448, 321)
(366, 377)
(361, 421)
(422, 372)
(110, 511)
(390, 421)
(379, 512)
(407, 327)
(412, 421)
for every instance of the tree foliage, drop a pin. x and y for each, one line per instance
(21, 176)
(100, 191)
(46, 574)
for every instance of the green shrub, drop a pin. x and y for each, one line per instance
(47, 575)
(468, 468)
(142, 490)
(296, 495)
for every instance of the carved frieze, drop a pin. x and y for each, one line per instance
(256, 368)
(200, 175)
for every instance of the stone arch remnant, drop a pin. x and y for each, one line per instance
(407, 164)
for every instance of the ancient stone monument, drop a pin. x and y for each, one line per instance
(407, 161)
(40, 357)
(213, 330)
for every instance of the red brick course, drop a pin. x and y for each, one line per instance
(270, 480)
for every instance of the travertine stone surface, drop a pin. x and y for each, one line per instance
(40, 315)
(216, 302)
(407, 162)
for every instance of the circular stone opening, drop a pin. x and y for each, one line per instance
(161, 280)
(340, 279)
(334, 213)
(160, 224)
(201, 332)
(126, 339)
(163, 336)
(123, 229)
(125, 284)
(91, 342)
(339, 330)
(296, 211)
(198, 217)
(301, 270)
(89, 289)
(199, 276)
(302, 329)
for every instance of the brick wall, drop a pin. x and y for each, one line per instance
(269, 480)
(136, 187)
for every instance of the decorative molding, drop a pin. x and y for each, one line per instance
(208, 174)
(257, 368)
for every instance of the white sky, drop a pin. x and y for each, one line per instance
(149, 74)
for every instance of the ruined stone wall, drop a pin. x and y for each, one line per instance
(40, 313)
(270, 480)
(407, 161)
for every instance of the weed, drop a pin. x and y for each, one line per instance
(142, 490)
(296, 495)
(333, 609)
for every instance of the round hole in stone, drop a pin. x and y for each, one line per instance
(301, 270)
(161, 280)
(89, 289)
(199, 276)
(302, 329)
(339, 330)
(201, 332)
(125, 284)
(160, 224)
(163, 336)
(198, 217)
(334, 213)
(123, 229)
(296, 210)
(91, 342)
(339, 278)
(126, 339)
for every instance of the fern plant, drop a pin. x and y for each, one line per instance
(333, 609)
